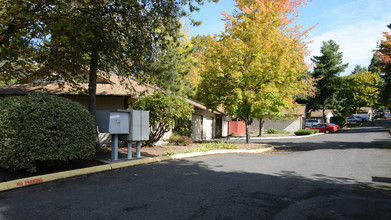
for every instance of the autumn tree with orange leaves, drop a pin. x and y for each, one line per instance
(256, 68)
(384, 52)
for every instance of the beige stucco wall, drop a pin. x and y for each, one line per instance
(225, 128)
(200, 120)
(203, 125)
(290, 125)
(196, 127)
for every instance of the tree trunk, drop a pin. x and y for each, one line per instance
(248, 125)
(324, 113)
(261, 128)
(92, 88)
(156, 134)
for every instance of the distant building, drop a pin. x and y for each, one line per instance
(290, 124)
(318, 114)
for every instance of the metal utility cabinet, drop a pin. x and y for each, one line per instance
(128, 125)
(139, 122)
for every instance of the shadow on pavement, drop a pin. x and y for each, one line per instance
(196, 190)
(336, 145)
(339, 141)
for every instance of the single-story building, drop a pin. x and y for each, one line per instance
(365, 110)
(290, 124)
(118, 93)
(318, 114)
(207, 125)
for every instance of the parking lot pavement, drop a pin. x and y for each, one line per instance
(336, 176)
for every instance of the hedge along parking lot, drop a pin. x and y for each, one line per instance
(306, 132)
(41, 129)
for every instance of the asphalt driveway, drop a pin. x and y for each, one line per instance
(371, 135)
(338, 176)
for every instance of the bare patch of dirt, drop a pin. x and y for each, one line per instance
(157, 151)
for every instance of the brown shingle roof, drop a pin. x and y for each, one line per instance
(299, 110)
(365, 109)
(319, 113)
(114, 86)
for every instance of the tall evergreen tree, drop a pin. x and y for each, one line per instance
(359, 69)
(328, 66)
(373, 67)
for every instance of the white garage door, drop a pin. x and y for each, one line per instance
(208, 128)
(196, 127)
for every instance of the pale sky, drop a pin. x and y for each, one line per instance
(357, 26)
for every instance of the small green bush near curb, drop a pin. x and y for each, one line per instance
(205, 147)
(306, 132)
(170, 152)
(41, 129)
(276, 131)
(220, 145)
(178, 139)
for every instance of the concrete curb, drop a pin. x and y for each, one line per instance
(13, 184)
(268, 138)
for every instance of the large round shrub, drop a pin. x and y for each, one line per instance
(42, 129)
(339, 120)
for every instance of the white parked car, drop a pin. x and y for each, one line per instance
(353, 119)
(364, 117)
(311, 122)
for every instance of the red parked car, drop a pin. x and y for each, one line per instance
(326, 127)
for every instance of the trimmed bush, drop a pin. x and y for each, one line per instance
(187, 140)
(306, 132)
(165, 110)
(183, 127)
(42, 129)
(339, 120)
(176, 139)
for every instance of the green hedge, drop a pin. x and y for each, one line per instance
(177, 139)
(306, 132)
(42, 129)
(339, 120)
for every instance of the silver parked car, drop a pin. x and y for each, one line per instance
(353, 119)
(311, 122)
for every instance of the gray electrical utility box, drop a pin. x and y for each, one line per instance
(113, 122)
(139, 125)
